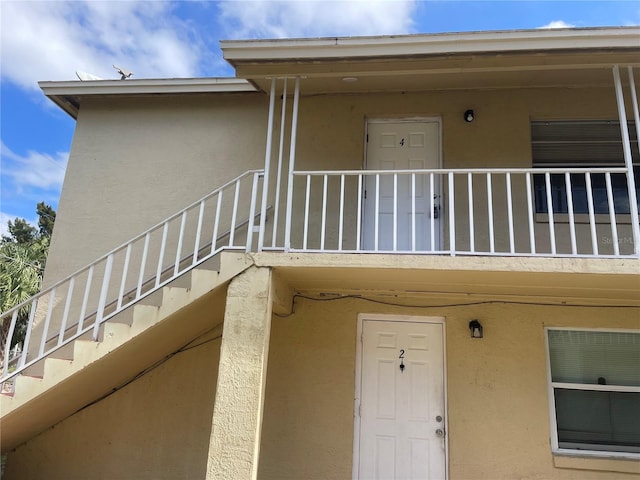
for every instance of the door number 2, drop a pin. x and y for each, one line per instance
(401, 357)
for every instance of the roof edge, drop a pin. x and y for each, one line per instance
(66, 94)
(238, 51)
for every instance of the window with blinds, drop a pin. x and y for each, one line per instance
(580, 144)
(595, 388)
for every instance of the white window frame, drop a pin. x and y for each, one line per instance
(555, 447)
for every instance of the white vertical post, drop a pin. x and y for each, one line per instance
(376, 219)
(432, 211)
(472, 234)
(592, 216)
(47, 321)
(395, 212)
(323, 228)
(252, 212)
(67, 306)
(27, 338)
(452, 216)
(7, 344)
(492, 241)
(196, 246)
(359, 214)
(550, 220)
(628, 160)
(341, 225)
(216, 224)
(413, 212)
(612, 214)
(85, 299)
(183, 222)
(305, 227)
(532, 233)
(572, 222)
(234, 214)
(163, 246)
(276, 208)
(512, 247)
(267, 172)
(103, 296)
(123, 280)
(292, 165)
(143, 264)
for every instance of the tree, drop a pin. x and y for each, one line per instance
(23, 255)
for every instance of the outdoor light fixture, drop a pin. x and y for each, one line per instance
(469, 116)
(476, 329)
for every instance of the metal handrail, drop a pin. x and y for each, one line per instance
(105, 309)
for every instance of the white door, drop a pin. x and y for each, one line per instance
(401, 432)
(403, 224)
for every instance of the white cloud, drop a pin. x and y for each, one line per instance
(276, 19)
(35, 170)
(558, 24)
(44, 40)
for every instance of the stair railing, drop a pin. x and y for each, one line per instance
(79, 304)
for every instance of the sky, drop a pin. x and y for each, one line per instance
(52, 40)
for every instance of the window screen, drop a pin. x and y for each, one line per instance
(595, 379)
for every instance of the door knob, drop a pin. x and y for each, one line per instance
(439, 432)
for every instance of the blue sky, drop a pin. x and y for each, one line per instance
(51, 40)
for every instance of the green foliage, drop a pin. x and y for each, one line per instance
(23, 254)
(20, 231)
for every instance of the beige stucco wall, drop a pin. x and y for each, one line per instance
(498, 422)
(135, 161)
(157, 427)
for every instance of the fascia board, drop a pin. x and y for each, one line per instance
(67, 94)
(431, 44)
(146, 86)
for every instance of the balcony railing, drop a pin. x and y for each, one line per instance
(515, 212)
(579, 212)
(78, 305)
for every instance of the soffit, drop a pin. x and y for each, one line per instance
(450, 72)
(569, 57)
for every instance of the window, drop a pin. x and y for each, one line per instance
(581, 143)
(595, 391)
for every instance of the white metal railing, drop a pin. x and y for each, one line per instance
(545, 212)
(79, 304)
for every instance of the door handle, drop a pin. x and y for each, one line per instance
(439, 432)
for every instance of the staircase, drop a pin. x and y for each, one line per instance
(141, 311)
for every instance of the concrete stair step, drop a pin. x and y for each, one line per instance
(203, 281)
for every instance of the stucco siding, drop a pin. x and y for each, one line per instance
(136, 161)
(156, 427)
(498, 419)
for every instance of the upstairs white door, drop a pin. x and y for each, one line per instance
(407, 207)
(401, 431)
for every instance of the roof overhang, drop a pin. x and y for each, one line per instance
(68, 95)
(440, 61)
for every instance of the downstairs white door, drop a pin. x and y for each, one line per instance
(400, 432)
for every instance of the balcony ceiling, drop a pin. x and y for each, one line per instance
(471, 60)
(443, 73)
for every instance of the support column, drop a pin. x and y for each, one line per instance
(237, 414)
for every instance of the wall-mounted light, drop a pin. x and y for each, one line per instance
(475, 327)
(469, 116)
